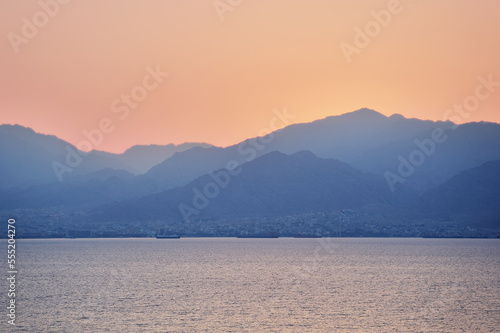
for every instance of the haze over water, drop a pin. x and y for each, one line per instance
(259, 285)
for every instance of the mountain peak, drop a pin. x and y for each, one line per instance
(304, 154)
(145, 147)
(300, 155)
(365, 112)
(397, 116)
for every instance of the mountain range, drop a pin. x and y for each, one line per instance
(28, 157)
(365, 139)
(409, 169)
(274, 184)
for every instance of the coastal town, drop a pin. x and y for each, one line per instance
(66, 223)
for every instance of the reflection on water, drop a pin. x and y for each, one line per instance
(259, 285)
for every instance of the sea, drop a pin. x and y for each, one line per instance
(256, 285)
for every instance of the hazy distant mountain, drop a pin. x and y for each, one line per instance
(348, 157)
(28, 158)
(139, 159)
(272, 185)
(472, 195)
(366, 139)
(94, 188)
(185, 166)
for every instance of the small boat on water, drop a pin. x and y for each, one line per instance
(168, 236)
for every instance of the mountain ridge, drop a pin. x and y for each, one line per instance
(267, 185)
(371, 146)
(32, 155)
(329, 165)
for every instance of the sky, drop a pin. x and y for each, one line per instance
(127, 72)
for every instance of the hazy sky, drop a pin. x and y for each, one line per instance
(228, 67)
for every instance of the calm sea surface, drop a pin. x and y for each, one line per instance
(257, 285)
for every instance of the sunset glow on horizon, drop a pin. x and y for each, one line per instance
(159, 72)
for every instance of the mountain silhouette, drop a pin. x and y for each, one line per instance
(365, 139)
(28, 158)
(442, 172)
(473, 194)
(271, 185)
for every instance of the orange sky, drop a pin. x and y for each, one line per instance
(226, 76)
